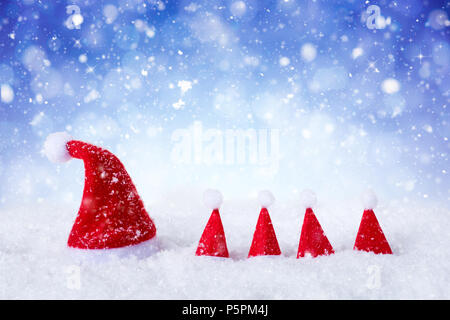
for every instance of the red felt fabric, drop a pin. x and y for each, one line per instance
(313, 240)
(264, 239)
(111, 214)
(213, 241)
(370, 236)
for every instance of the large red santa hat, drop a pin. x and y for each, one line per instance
(264, 239)
(370, 236)
(213, 241)
(313, 240)
(111, 214)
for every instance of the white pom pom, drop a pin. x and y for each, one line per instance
(212, 199)
(308, 198)
(55, 147)
(369, 199)
(265, 198)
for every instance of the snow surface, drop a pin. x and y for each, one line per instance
(35, 262)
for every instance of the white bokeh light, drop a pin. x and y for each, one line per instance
(390, 86)
(308, 52)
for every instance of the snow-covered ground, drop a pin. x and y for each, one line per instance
(35, 263)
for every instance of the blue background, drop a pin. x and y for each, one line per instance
(122, 96)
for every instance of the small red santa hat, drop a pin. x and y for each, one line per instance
(265, 241)
(111, 214)
(313, 240)
(370, 236)
(213, 241)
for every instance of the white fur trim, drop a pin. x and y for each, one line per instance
(308, 198)
(265, 198)
(140, 251)
(55, 147)
(369, 199)
(212, 199)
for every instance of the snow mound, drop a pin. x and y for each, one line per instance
(369, 199)
(34, 238)
(55, 147)
(265, 198)
(212, 199)
(308, 198)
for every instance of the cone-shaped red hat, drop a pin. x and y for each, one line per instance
(213, 241)
(312, 239)
(111, 214)
(370, 236)
(264, 239)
